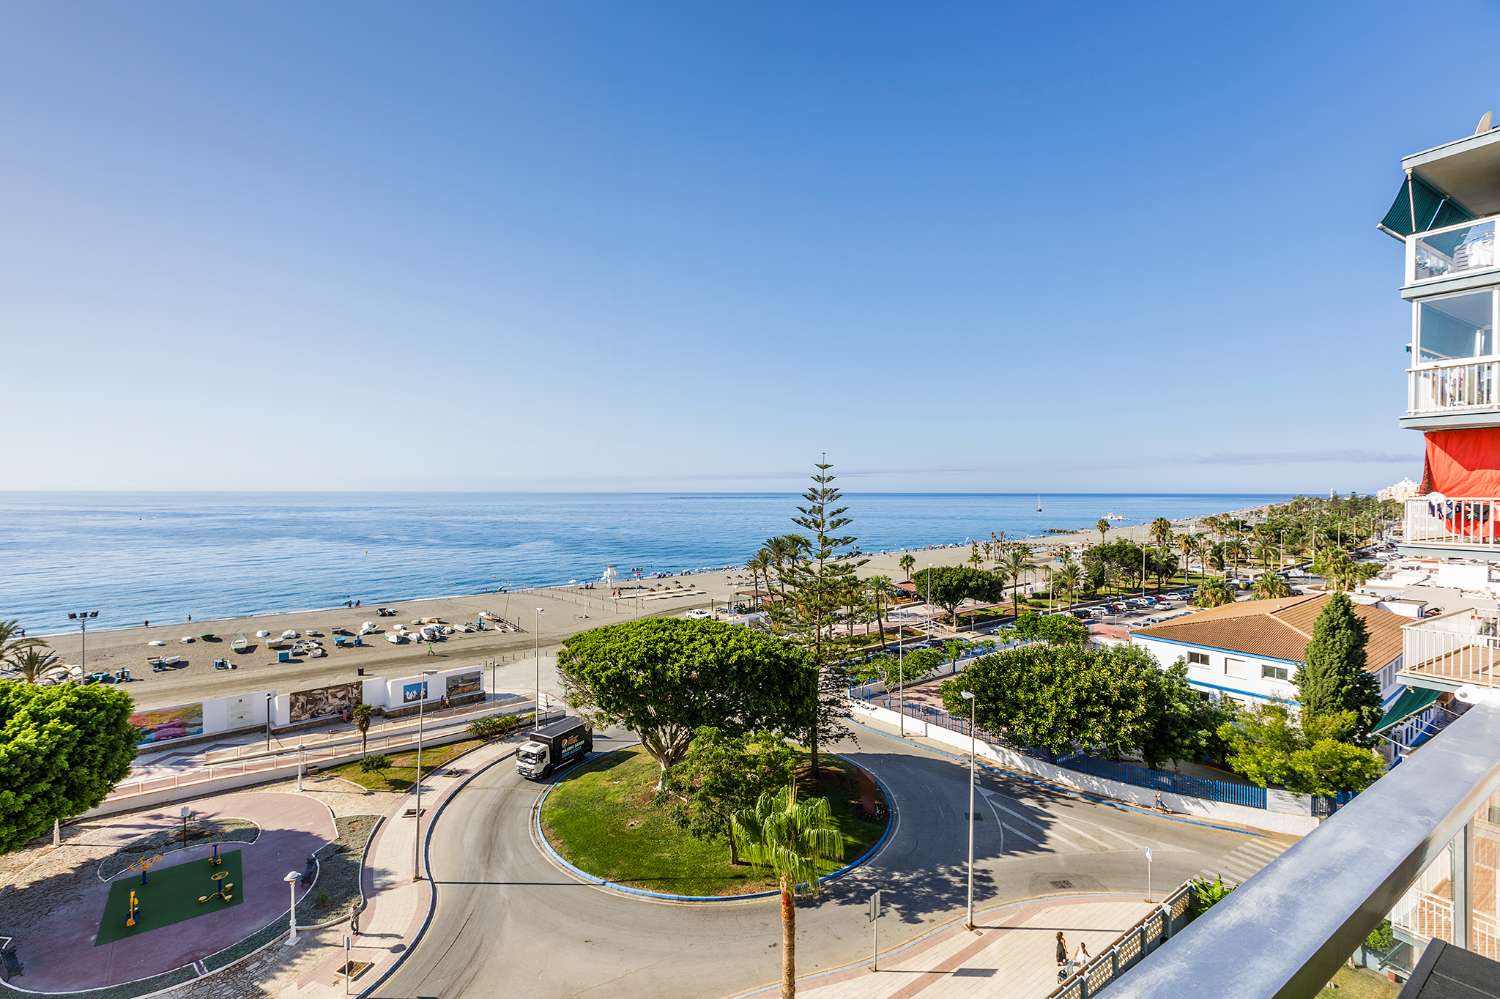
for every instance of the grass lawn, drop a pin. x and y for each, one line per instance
(169, 896)
(603, 820)
(1359, 983)
(403, 772)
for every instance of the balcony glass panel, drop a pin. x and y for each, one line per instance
(1454, 251)
(1456, 328)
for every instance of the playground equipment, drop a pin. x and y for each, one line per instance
(143, 865)
(214, 860)
(223, 889)
(135, 907)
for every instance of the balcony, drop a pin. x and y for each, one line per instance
(1463, 526)
(1453, 251)
(1452, 387)
(1454, 650)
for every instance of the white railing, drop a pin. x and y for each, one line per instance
(1465, 248)
(1463, 647)
(1452, 386)
(1462, 522)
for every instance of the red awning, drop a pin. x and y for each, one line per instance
(1463, 463)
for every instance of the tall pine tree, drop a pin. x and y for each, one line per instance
(1333, 677)
(816, 583)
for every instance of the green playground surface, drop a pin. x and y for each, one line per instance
(169, 896)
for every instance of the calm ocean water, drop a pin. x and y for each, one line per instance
(136, 556)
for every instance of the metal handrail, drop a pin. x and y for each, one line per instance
(1286, 931)
(1130, 947)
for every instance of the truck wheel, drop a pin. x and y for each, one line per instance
(546, 771)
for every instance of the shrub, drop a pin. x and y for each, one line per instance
(375, 763)
(1207, 893)
(1382, 938)
(494, 727)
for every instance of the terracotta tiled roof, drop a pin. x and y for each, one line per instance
(1278, 629)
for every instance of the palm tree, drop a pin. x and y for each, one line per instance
(1067, 579)
(32, 660)
(1017, 562)
(759, 565)
(1102, 526)
(1270, 585)
(792, 838)
(362, 715)
(10, 644)
(1213, 592)
(1161, 533)
(974, 557)
(907, 563)
(1188, 546)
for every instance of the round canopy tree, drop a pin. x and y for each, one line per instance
(62, 749)
(663, 678)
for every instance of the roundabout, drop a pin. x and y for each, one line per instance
(506, 920)
(601, 823)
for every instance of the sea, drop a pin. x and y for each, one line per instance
(137, 556)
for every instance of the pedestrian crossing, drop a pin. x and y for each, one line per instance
(1244, 860)
(1057, 834)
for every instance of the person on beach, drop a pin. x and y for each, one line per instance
(1062, 949)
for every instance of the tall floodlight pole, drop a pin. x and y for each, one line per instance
(968, 695)
(416, 847)
(901, 678)
(537, 654)
(83, 618)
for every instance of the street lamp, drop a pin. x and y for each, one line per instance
(901, 678)
(270, 701)
(968, 695)
(291, 879)
(416, 847)
(83, 618)
(186, 814)
(931, 624)
(537, 655)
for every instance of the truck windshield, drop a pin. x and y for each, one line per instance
(529, 755)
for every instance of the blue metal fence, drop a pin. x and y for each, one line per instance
(1231, 792)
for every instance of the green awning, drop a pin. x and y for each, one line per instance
(1434, 209)
(1409, 702)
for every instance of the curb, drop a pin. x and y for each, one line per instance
(1074, 792)
(416, 939)
(598, 882)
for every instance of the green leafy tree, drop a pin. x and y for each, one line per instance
(665, 678)
(1184, 723)
(1333, 677)
(62, 749)
(1213, 592)
(813, 609)
(792, 838)
(951, 585)
(1062, 697)
(722, 775)
(1055, 628)
(362, 715)
(1269, 746)
(1341, 571)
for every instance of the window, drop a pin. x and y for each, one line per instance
(1274, 672)
(1456, 327)
(1197, 658)
(1239, 668)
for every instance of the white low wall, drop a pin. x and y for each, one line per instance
(1216, 811)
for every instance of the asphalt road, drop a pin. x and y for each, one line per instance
(510, 923)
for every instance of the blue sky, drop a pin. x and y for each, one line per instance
(589, 245)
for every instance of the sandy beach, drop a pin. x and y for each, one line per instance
(565, 611)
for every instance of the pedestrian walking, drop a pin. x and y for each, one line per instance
(1062, 949)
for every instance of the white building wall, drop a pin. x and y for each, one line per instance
(1246, 678)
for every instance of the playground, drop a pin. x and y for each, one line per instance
(137, 905)
(76, 911)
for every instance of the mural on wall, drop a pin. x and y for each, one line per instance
(464, 684)
(411, 693)
(162, 724)
(334, 699)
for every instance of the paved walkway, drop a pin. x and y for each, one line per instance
(1012, 952)
(396, 909)
(60, 954)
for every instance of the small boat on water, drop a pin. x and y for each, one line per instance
(1038, 504)
(1113, 516)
